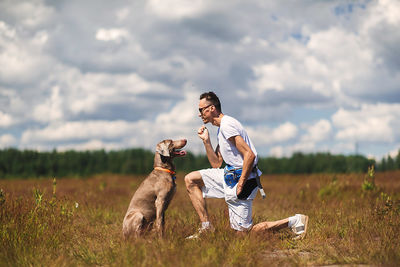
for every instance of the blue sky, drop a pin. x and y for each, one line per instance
(309, 76)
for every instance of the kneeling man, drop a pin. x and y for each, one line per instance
(237, 182)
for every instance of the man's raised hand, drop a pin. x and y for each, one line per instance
(202, 132)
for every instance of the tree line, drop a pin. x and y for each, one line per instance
(29, 163)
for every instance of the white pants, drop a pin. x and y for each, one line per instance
(240, 211)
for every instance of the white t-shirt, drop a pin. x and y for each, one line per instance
(231, 127)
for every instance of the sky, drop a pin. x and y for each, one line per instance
(301, 76)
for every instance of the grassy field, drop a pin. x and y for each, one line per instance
(75, 222)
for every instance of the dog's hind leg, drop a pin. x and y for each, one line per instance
(133, 224)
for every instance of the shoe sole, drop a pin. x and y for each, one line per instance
(198, 235)
(303, 235)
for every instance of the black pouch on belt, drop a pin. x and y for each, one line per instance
(248, 187)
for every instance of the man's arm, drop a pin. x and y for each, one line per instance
(214, 157)
(248, 160)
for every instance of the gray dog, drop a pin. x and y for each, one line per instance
(154, 194)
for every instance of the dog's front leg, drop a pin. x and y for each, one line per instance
(161, 206)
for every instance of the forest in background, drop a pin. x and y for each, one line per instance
(16, 163)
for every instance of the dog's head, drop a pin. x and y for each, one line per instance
(170, 149)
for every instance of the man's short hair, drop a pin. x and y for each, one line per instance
(213, 99)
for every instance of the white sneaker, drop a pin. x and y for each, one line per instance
(201, 231)
(300, 227)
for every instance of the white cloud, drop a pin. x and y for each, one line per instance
(30, 14)
(327, 64)
(311, 147)
(305, 147)
(318, 132)
(86, 93)
(7, 33)
(288, 150)
(24, 57)
(122, 14)
(277, 151)
(371, 123)
(271, 76)
(395, 152)
(78, 130)
(176, 9)
(51, 109)
(386, 11)
(183, 121)
(15, 109)
(346, 64)
(342, 147)
(7, 140)
(114, 34)
(5, 119)
(183, 113)
(267, 136)
(178, 122)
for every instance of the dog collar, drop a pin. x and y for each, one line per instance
(166, 170)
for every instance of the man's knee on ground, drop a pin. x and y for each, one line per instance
(257, 228)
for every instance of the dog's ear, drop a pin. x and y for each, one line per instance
(163, 149)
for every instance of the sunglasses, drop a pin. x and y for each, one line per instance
(203, 108)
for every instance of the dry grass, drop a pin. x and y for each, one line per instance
(82, 224)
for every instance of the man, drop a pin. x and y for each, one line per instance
(237, 182)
